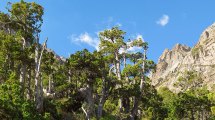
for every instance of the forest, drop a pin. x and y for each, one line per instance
(108, 84)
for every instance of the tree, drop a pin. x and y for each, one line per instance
(144, 45)
(26, 19)
(111, 42)
(87, 68)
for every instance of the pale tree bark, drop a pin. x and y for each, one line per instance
(22, 78)
(118, 73)
(69, 76)
(69, 81)
(87, 93)
(50, 84)
(124, 61)
(90, 100)
(38, 82)
(136, 100)
(127, 99)
(23, 70)
(101, 103)
(143, 71)
(85, 112)
(103, 96)
(28, 90)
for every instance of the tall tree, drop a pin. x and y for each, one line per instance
(87, 69)
(144, 45)
(111, 42)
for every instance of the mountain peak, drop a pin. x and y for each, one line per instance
(174, 63)
(207, 35)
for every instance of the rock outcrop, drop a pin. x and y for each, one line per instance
(201, 58)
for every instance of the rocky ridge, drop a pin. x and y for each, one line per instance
(201, 58)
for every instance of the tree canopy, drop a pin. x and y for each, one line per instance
(107, 84)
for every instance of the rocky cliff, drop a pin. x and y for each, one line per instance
(172, 64)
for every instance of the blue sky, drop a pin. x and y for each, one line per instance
(73, 25)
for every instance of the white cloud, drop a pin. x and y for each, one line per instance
(129, 50)
(122, 50)
(110, 22)
(139, 37)
(85, 38)
(134, 49)
(136, 36)
(119, 24)
(163, 21)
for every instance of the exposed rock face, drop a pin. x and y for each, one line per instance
(201, 58)
(56, 56)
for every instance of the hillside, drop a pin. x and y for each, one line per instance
(200, 59)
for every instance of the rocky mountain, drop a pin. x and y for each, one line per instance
(200, 59)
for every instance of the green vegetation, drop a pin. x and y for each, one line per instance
(36, 84)
(189, 81)
(192, 104)
(195, 51)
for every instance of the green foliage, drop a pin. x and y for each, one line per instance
(108, 117)
(111, 40)
(213, 110)
(110, 107)
(47, 116)
(189, 80)
(132, 70)
(187, 105)
(87, 81)
(13, 106)
(195, 51)
(28, 17)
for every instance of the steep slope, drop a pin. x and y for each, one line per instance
(172, 64)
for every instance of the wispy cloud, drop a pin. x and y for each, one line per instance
(110, 22)
(163, 21)
(129, 50)
(139, 36)
(136, 36)
(118, 24)
(85, 38)
(133, 49)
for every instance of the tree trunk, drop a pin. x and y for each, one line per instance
(23, 69)
(126, 100)
(22, 78)
(100, 107)
(28, 92)
(38, 85)
(103, 98)
(192, 115)
(85, 112)
(124, 60)
(69, 76)
(134, 109)
(50, 83)
(118, 73)
(90, 101)
(143, 71)
(127, 105)
(136, 99)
